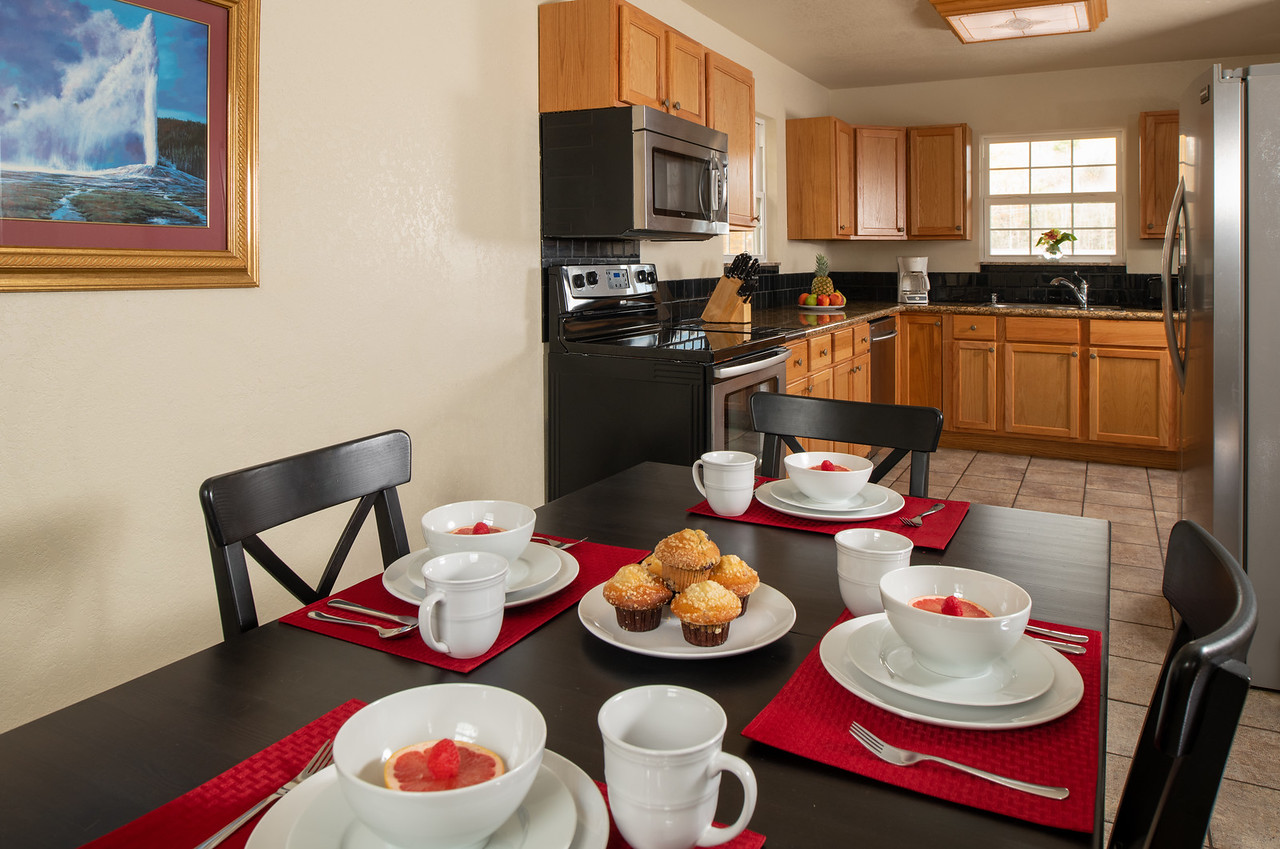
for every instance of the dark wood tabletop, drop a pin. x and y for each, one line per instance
(78, 773)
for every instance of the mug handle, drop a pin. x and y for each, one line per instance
(425, 620)
(723, 762)
(697, 466)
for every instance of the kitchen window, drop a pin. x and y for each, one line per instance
(752, 241)
(1031, 184)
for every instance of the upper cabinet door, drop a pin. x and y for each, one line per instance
(880, 181)
(939, 181)
(1158, 169)
(686, 78)
(731, 109)
(641, 66)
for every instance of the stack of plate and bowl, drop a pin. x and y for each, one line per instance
(536, 570)
(829, 496)
(955, 671)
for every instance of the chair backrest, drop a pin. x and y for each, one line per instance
(782, 418)
(240, 505)
(1178, 764)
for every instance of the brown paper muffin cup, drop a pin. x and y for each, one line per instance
(679, 580)
(705, 635)
(639, 620)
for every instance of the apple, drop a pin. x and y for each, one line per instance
(824, 300)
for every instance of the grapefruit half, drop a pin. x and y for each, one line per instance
(411, 768)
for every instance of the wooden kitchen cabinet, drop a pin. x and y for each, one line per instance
(920, 373)
(809, 373)
(939, 182)
(819, 179)
(851, 374)
(598, 53)
(1131, 385)
(972, 365)
(1042, 377)
(880, 182)
(1157, 169)
(731, 109)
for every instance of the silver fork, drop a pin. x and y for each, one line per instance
(321, 759)
(904, 757)
(555, 543)
(385, 633)
(917, 521)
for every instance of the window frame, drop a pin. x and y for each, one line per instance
(985, 198)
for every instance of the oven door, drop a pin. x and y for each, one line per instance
(682, 187)
(733, 383)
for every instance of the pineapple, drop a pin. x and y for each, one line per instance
(822, 284)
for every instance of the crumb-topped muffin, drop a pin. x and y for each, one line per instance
(637, 596)
(705, 610)
(686, 557)
(737, 577)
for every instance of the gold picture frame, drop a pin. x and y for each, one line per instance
(29, 265)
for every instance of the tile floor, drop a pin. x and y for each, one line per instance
(1141, 505)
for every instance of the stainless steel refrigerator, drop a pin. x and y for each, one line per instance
(1222, 315)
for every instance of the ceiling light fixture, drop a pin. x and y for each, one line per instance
(990, 20)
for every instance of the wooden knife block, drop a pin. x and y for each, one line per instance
(726, 305)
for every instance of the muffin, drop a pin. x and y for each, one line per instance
(705, 610)
(686, 558)
(637, 596)
(736, 577)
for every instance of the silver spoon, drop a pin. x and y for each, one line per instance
(385, 633)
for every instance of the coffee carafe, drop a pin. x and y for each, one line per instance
(913, 280)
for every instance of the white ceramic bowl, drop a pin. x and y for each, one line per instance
(961, 647)
(863, 557)
(497, 719)
(829, 487)
(515, 519)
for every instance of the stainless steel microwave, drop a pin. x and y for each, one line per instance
(632, 172)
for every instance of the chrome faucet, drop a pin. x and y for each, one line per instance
(1081, 291)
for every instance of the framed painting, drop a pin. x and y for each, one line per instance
(128, 144)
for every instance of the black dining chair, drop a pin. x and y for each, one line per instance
(898, 427)
(239, 506)
(1178, 764)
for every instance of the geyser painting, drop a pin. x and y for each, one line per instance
(103, 114)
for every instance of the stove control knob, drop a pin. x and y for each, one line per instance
(642, 276)
(578, 281)
(592, 278)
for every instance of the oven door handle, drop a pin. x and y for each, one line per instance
(727, 371)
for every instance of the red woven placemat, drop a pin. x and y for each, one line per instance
(810, 717)
(596, 564)
(747, 840)
(194, 816)
(935, 533)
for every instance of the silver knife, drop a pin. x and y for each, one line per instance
(1061, 635)
(369, 611)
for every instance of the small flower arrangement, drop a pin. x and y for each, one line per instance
(1051, 240)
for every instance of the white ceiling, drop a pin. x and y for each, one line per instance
(854, 43)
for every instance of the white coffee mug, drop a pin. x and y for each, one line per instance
(863, 556)
(662, 765)
(727, 480)
(462, 612)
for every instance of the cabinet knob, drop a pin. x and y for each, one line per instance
(973, 327)
(1093, 356)
(992, 349)
(824, 353)
(666, 104)
(957, 228)
(937, 323)
(676, 105)
(799, 361)
(1075, 353)
(902, 229)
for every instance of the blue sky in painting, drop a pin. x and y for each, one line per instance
(34, 32)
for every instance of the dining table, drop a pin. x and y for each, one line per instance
(84, 770)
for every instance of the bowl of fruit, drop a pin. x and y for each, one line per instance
(439, 766)
(828, 476)
(498, 527)
(822, 292)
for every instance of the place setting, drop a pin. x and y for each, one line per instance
(482, 584)
(934, 659)
(825, 492)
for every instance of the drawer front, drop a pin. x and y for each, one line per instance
(820, 352)
(982, 327)
(861, 339)
(1021, 329)
(1131, 334)
(842, 342)
(798, 361)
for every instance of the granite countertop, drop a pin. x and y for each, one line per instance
(797, 322)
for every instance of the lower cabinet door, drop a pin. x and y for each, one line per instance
(1131, 397)
(971, 394)
(1042, 390)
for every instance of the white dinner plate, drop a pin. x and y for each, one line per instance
(871, 497)
(892, 504)
(399, 576)
(321, 818)
(816, 308)
(880, 653)
(593, 815)
(1061, 697)
(769, 615)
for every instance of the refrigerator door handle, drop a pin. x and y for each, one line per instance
(1166, 283)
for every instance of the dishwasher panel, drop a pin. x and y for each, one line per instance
(884, 360)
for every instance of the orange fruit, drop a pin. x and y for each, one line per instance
(419, 768)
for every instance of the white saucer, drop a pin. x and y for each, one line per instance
(1061, 697)
(549, 570)
(869, 498)
(879, 652)
(769, 615)
(892, 504)
(315, 815)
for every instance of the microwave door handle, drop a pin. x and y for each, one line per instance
(1166, 282)
(702, 207)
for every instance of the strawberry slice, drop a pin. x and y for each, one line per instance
(951, 606)
(443, 760)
